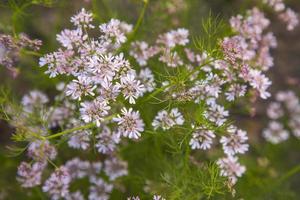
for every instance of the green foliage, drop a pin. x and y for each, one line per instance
(214, 28)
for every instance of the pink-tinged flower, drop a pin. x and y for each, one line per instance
(57, 185)
(174, 37)
(235, 142)
(34, 99)
(41, 150)
(106, 141)
(260, 82)
(172, 59)
(103, 67)
(108, 90)
(216, 114)
(234, 91)
(77, 168)
(83, 86)
(167, 120)
(294, 124)
(77, 195)
(275, 110)
(231, 168)
(80, 140)
(130, 87)
(275, 133)
(115, 168)
(116, 30)
(94, 111)
(83, 19)
(147, 79)
(277, 5)
(141, 51)
(30, 175)
(100, 190)
(202, 139)
(71, 38)
(129, 123)
(290, 18)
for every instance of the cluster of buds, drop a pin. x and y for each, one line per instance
(10, 48)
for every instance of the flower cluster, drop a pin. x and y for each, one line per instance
(10, 48)
(166, 120)
(284, 115)
(286, 15)
(98, 107)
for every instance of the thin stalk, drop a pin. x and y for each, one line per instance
(290, 173)
(136, 27)
(87, 126)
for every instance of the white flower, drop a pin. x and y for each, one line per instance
(80, 140)
(57, 185)
(83, 19)
(231, 168)
(94, 111)
(130, 124)
(106, 141)
(174, 37)
(274, 110)
(81, 87)
(234, 91)
(116, 30)
(202, 139)
(167, 120)
(131, 88)
(216, 114)
(235, 142)
(290, 18)
(158, 197)
(34, 99)
(103, 67)
(294, 124)
(140, 51)
(115, 168)
(100, 190)
(260, 82)
(71, 38)
(275, 133)
(147, 79)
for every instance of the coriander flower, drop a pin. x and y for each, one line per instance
(129, 123)
(131, 88)
(81, 87)
(235, 142)
(231, 168)
(94, 111)
(275, 133)
(166, 120)
(202, 139)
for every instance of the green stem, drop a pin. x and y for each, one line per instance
(87, 126)
(31, 53)
(136, 27)
(290, 173)
(140, 19)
